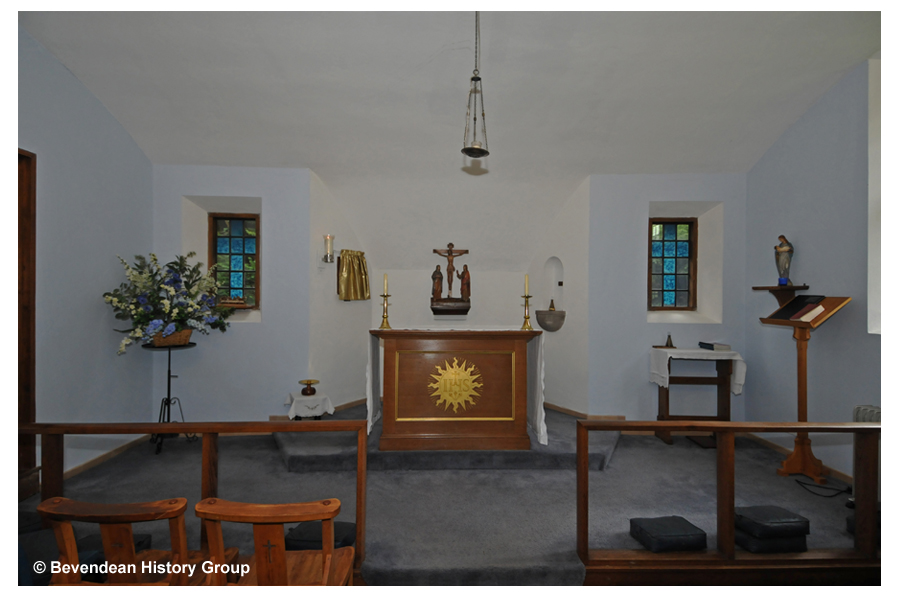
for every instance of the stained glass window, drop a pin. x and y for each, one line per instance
(234, 250)
(672, 264)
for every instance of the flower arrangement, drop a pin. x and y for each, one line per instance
(163, 300)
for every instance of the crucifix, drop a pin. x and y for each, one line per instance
(450, 254)
(269, 545)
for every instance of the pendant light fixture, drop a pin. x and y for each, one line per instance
(476, 145)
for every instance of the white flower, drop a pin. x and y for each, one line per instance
(122, 345)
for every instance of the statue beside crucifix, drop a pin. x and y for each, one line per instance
(450, 305)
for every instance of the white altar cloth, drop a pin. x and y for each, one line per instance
(308, 406)
(659, 364)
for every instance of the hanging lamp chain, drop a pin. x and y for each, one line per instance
(477, 38)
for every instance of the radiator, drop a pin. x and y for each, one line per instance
(866, 413)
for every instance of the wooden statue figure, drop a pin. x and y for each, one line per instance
(450, 254)
(784, 251)
(465, 283)
(437, 283)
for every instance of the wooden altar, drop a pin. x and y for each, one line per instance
(455, 390)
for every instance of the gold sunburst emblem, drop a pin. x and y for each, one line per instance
(455, 385)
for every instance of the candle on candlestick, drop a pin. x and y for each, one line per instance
(526, 284)
(385, 284)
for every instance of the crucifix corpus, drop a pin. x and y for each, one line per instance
(450, 305)
(450, 253)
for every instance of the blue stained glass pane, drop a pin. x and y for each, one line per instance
(250, 245)
(237, 280)
(237, 293)
(684, 249)
(237, 245)
(668, 298)
(669, 249)
(236, 263)
(670, 231)
(668, 265)
(237, 227)
(222, 245)
(656, 249)
(668, 282)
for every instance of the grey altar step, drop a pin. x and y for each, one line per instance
(336, 451)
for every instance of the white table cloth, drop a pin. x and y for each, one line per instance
(308, 406)
(659, 364)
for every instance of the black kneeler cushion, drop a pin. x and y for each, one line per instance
(768, 522)
(308, 536)
(668, 534)
(757, 545)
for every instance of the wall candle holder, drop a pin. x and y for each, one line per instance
(384, 314)
(527, 325)
(329, 248)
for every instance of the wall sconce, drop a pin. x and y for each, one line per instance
(329, 248)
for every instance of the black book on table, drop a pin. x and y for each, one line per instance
(793, 307)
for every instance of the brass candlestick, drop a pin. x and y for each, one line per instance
(527, 325)
(384, 315)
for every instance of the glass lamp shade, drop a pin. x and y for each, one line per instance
(472, 145)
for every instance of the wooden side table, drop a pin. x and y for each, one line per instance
(724, 370)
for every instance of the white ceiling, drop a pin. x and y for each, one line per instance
(374, 103)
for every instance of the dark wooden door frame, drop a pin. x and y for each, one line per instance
(28, 476)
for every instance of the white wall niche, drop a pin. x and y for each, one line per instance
(710, 265)
(195, 233)
(552, 283)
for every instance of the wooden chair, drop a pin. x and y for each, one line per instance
(274, 565)
(118, 541)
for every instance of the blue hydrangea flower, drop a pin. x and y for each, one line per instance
(153, 327)
(142, 299)
(169, 330)
(211, 320)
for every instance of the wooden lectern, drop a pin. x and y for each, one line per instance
(801, 461)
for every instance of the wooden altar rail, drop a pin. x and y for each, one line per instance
(52, 445)
(724, 565)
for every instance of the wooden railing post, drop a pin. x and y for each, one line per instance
(725, 493)
(52, 457)
(865, 491)
(581, 490)
(209, 477)
(362, 442)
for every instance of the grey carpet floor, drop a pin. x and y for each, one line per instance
(332, 451)
(441, 527)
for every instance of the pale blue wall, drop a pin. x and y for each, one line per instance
(247, 372)
(620, 337)
(811, 186)
(93, 202)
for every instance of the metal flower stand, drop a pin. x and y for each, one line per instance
(165, 407)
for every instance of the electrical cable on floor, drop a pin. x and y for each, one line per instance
(837, 491)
